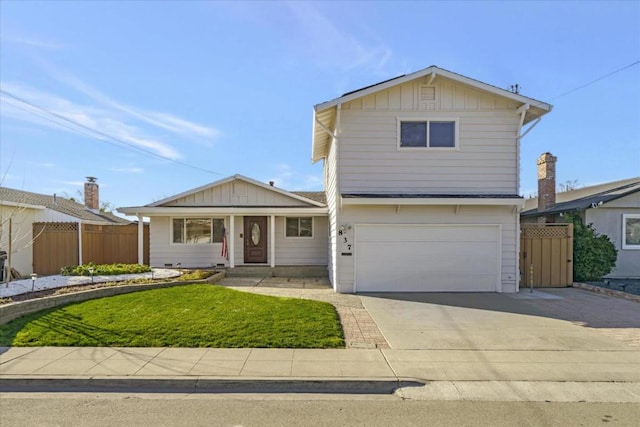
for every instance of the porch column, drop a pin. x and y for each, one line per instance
(273, 241)
(232, 240)
(141, 240)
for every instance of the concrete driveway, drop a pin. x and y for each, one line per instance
(551, 319)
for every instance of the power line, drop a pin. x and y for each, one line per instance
(95, 131)
(596, 80)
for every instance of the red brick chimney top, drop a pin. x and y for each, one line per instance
(546, 181)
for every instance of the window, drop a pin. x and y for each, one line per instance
(428, 134)
(299, 227)
(196, 231)
(631, 231)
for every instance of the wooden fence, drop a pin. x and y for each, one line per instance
(56, 245)
(546, 255)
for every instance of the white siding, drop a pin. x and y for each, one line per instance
(162, 251)
(237, 193)
(331, 183)
(288, 251)
(503, 216)
(21, 236)
(302, 251)
(486, 160)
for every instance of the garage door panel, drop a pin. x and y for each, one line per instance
(426, 258)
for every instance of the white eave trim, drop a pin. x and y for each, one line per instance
(433, 70)
(22, 205)
(433, 201)
(231, 179)
(191, 211)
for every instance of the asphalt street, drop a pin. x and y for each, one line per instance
(89, 410)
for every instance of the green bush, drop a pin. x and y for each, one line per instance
(594, 255)
(104, 269)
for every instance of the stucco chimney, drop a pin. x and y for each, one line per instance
(91, 199)
(546, 181)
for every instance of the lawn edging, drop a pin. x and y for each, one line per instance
(606, 291)
(9, 312)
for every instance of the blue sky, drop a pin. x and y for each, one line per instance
(228, 87)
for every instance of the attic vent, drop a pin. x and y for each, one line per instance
(427, 93)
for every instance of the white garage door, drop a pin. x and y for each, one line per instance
(422, 258)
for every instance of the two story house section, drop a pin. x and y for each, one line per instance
(422, 179)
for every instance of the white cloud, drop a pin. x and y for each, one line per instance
(330, 46)
(128, 169)
(36, 42)
(106, 122)
(161, 120)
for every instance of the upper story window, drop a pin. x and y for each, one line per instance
(299, 227)
(197, 231)
(631, 231)
(442, 133)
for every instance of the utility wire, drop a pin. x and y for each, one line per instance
(97, 132)
(596, 80)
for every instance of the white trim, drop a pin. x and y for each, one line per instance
(433, 71)
(204, 211)
(231, 179)
(456, 138)
(21, 205)
(232, 242)
(313, 227)
(624, 232)
(171, 236)
(432, 201)
(141, 240)
(272, 236)
(498, 284)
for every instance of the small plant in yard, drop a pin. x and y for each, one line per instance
(594, 255)
(186, 316)
(195, 275)
(104, 269)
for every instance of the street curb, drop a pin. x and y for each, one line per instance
(207, 385)
(606, 291)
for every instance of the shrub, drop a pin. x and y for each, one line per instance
(594, 255)
(104, 269)
(195, 275)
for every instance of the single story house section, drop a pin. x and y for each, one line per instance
(237, 221)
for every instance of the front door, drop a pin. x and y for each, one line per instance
(255, 239)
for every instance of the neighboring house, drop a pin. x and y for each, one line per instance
(421, 177)
(262, 224)
(20, 209)
(613, 208)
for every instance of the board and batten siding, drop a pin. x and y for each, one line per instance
(308, 251)
(485, 161)
(331, 183)
(495, 215)
(301, 251)
(162, 251)
(236, 193)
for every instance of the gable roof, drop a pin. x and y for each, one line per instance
(301, 196)
(324, 113)
(10, 196)
(585, 197)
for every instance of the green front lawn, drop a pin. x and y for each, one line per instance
(182, 316)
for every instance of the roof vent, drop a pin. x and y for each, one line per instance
(271, 183)
(427, 93)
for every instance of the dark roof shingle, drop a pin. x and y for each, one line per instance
(59, 204)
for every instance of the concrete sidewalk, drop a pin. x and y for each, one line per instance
(596, 376)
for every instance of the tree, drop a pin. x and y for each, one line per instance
(569, 185)
(594, 255)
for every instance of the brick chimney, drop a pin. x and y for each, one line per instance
(91, 199)
(546, 181)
